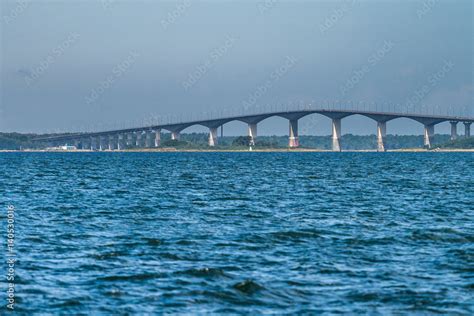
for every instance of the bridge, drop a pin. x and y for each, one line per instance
(150, 136)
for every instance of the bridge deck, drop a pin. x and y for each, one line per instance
(256, 118)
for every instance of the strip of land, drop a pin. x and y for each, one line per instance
(198, 142)
(279, 150)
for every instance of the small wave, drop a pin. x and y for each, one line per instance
(34, 291)
(114, 293)
(441, 235)
(363, 297)
(171, 256)
(231, 198)
(187, 175)
(184, 242)
(90, 267)
(34, 239)
(248, 287)
(68, 303)
(154, 241)
(135, 277)
(370, 241)
(121, 191)
(109, 255)
(295, 235)
(203, 272)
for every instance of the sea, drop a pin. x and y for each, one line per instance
(246, 233)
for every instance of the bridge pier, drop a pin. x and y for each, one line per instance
(252, 133)
(158, 138)
(138, 140)
(212, 136)
(102, 143)
(120, 145)
(112, 142)
(428, 134)
(85, 144)
(130, 137)
(293, 141)
(98, 144)
(175, 135)
(381, 133)
(336, 134)
(467, 129)
(94, 142)
(148, 139)
(454, 130)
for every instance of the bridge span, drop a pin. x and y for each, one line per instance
(150, 136)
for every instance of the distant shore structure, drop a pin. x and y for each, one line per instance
(150, 136)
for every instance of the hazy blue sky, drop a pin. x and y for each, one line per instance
(75, 65)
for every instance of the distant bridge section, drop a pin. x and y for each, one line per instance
(149, 136)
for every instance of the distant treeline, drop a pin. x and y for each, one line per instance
(464, 143)
(15, 141)
(348, 141)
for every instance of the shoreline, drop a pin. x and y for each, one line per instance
(278, 150)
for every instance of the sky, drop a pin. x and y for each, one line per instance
(106, 64)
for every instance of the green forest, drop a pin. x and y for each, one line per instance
(15, 141)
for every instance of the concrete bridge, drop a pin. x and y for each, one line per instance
(149, 136)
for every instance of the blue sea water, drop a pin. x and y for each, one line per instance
(240, 233)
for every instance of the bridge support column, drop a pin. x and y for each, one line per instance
(381, 133)
(158, 138)
(252, 134)
(120, 144)
(143, 140)
(428, 134)
(112, 142)
(293, 141)
(86, 144)
(336, 134)
(94, 142)
(130, 138)
(139, 140)
(148, 140)
(212, 136)
(102, 143)
(467, 129)
(454, 130)
(175, 135)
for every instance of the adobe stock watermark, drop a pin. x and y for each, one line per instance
(107, 4)
(275, 76)
(266, 5)
(337, 15)
(173, 16)
(32, 76)
(10, 257)
(426, 7)
(117, 72)
(372, 61)
(215, 55)
(18, 10)
(432, 82)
